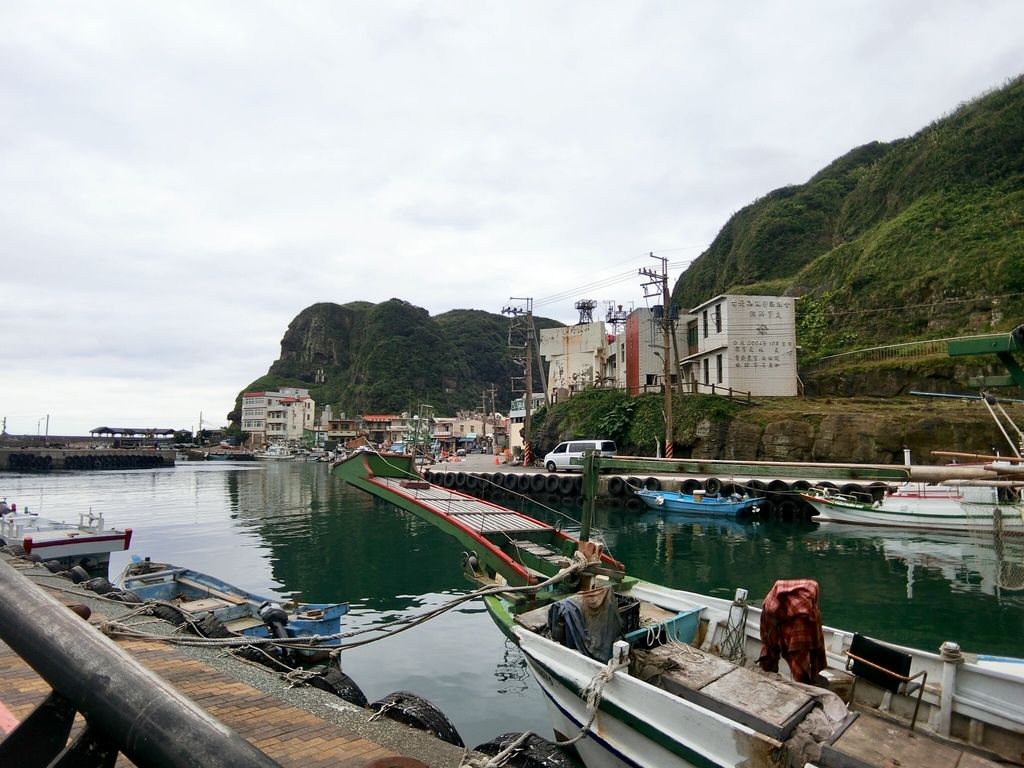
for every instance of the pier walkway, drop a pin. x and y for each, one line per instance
(294, 726)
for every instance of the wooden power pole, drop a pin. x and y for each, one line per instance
(660, 281)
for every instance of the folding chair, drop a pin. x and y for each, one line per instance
(886, 667)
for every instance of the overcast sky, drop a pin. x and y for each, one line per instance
(179, 180)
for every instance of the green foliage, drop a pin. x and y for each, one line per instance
(647, 428)
(391, 357)
(891, 242)
(814, 328)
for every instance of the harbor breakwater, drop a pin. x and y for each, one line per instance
(781, 496)
(43, 459)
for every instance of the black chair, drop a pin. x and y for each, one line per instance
(886, 667)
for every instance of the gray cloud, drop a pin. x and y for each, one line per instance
(178, 181)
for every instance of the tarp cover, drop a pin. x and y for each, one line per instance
(587, 622)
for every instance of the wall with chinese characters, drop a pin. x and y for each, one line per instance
(747, 343)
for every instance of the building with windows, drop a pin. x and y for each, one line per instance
(743, 344)
(635, 356)
(282, 416)
(575, 356)
(517, 420)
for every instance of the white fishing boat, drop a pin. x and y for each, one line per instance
(276, 452)
(90, 540)
(654, 676)
(957, 508)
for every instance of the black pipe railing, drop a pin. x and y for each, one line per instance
(126, 707)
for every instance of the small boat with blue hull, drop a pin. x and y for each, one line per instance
(241, 612)
(700, 504)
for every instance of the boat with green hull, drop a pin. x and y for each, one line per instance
(639, 674)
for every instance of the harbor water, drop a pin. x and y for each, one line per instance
(293, 530)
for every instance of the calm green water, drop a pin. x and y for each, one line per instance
(294, 530)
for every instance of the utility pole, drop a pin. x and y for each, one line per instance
(494, 423)
(656, 280)
(516, 327)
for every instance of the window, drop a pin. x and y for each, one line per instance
(718, 319)
(705, 317)
(707, 371)
(718, 363)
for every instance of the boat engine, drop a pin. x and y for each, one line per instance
(276, 619)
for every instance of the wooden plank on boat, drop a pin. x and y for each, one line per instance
(202, 604)
(758, 702)
(769, 706)
(210, 590)
(872, 742)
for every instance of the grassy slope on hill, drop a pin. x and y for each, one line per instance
(920, 238)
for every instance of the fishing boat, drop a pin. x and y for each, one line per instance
(659, 680)
(956, 508)
(276, 452)
(193, 593)
(699, 503)
(89, 542)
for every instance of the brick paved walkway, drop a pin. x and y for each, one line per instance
(288, 734)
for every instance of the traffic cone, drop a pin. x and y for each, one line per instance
(496, 459)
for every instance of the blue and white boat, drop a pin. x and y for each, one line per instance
(699, 503)
(241, 612)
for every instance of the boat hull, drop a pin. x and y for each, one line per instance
(637, 724)
(931, 514)
(52, 540)
(236, 608)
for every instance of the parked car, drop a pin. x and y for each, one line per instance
(564, 453)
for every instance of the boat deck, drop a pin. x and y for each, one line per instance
(474, 514)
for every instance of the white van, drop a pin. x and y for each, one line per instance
(562, 456)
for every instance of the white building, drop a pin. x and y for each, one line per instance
(575, 357)
(281, 416)
(742, 343)
(517, 420)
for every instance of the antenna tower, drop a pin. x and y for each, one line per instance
(586, 309)
(616, 317)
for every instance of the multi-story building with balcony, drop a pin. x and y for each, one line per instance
(279, 416)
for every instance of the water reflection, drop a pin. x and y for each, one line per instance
(969, 562)
(295, 530)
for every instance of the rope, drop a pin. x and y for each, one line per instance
(117, 628)
(735, 638)
(591, 695)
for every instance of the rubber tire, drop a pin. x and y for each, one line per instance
(333, 680)
(511, 481)
(538, 482)
(565, 484)
(551, 483)
(551, 466)
(208, 625)
(523, 482)
(712, 486)
(168, 613)
(652, 484)
(408, 708)
(99, 585)
(690, 485)
(535, 752)
(125, 596)
(616, 487)
(78, 574)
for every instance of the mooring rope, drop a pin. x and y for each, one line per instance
(591, 694)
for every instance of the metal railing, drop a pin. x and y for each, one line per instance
(127, 709)
(903, 351)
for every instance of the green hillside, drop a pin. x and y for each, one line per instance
(393, 356)
(919, 238)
